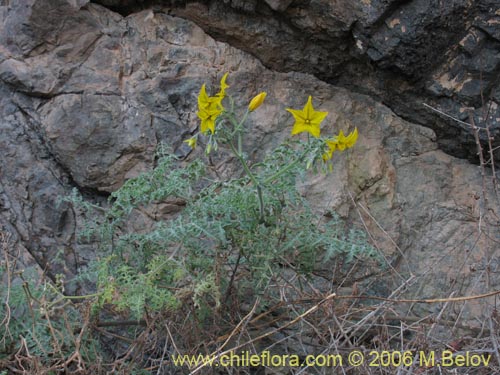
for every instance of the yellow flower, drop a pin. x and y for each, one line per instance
(206, 102)
(344, 142)
(210, 107)
(332, 146)
(191, 142)
(208, 117)
(307, 120)
(340, 142)
(257, 101)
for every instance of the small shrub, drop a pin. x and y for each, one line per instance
(232, 237)
(233, 245)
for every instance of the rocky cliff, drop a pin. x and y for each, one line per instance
(404, 53)
(90, 89)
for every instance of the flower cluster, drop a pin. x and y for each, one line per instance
(340, 142)
(307, 120)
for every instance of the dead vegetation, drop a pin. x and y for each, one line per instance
(341, 318)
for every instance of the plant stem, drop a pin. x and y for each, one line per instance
(285, 169)
(240, 132)
(253, 179)
(261, 203)
(233, 274)
(70, 298)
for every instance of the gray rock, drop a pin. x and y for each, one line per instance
(87, 95)
(279, 5)
(407, 53)
(99, 139)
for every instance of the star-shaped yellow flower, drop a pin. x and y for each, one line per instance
(209, 103)
(307, 120)
(340, 142)
(210, 107)
(208, 117)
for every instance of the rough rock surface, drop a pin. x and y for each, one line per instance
(442, 53)
(87, 95)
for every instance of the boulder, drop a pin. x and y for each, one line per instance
(86, 100)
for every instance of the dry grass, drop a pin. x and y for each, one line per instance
(341, 318)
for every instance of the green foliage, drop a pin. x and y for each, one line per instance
(131, 290)
(233, 238)
(38, 322)
(218, 241)
(166, 180)
(231, 235)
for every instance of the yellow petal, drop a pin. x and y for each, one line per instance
(208, 124)
(203, 114)
(308, 108)
(191, 142)
(208, 118)
(341, 141)
(341, 137)
(352, 138)
(257, 101)
(332, 146)
(203, 99)
(297, 114)
(223, 86)
(301, 126)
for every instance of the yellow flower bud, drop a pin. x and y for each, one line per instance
(257, 101)
(191, 142)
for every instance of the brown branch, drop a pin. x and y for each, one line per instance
(436, 300)
(267, 334)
